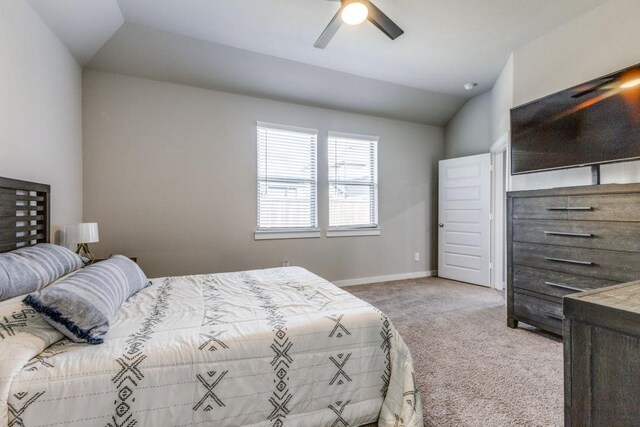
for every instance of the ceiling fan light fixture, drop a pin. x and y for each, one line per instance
(355, 13)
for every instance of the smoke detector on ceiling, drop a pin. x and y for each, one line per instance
(470, 85)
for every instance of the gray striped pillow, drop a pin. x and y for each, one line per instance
(83, 305)
(30, 269)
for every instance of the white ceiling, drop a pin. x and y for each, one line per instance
(83, 26)
(446, 44)
(158, 55)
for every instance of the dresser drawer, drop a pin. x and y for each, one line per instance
(540, 207)
(617, 236)
(607, 207)
(547, 313)
(554, 283)
(610, 265)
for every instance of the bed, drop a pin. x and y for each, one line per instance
(275, 347)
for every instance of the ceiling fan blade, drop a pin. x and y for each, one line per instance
(384, 23)
(329, 32)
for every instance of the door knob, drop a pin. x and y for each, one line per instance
(441, 225)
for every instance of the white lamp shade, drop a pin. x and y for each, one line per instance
(86, 232)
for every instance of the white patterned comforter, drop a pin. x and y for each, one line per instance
(278, 347)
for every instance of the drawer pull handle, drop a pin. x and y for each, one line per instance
(562, 286)
(570, 208)
(555, 316)
(569, 261)
(566, 233)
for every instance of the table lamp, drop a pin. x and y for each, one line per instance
(83, 234)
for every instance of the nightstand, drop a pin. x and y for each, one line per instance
(601, 347)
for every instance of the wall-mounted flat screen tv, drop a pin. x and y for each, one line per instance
(592, 123)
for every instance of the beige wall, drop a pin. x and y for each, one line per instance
(596, 43)
(483, 120)
(589, 46)
(170, 176)
(469, 131)
(502, 102)
(40, 110)
(601, 41)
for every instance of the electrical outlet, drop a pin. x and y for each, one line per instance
(416, 256)
(285, 263)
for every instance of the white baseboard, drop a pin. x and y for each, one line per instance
(378, 279)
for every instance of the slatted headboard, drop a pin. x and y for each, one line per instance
(24, 214)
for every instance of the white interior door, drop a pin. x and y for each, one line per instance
(464, 228)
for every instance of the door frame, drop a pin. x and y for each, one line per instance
(500, 184)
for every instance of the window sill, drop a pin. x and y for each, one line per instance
(286, 234)
(354, 232)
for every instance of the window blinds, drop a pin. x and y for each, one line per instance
(287, 177)
(353, 181)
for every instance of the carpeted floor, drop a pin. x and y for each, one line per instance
(472, 370)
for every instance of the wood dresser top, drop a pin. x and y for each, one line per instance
(624, 297)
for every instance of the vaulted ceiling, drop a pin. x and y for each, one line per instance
(265, 47)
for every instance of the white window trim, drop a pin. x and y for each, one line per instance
(287, 234)
(353, 135)
(287, 127)
(290, 233)
(341, 231)
(353, 232)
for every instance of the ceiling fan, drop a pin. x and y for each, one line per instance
(354, 12)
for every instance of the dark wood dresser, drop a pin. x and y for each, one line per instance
(566, 240)
(602, 357)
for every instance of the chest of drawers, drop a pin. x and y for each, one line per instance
(567, 240)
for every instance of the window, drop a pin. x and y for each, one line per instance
(287, 179)
(353, 181)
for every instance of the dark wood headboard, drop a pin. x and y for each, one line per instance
(24, 214)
